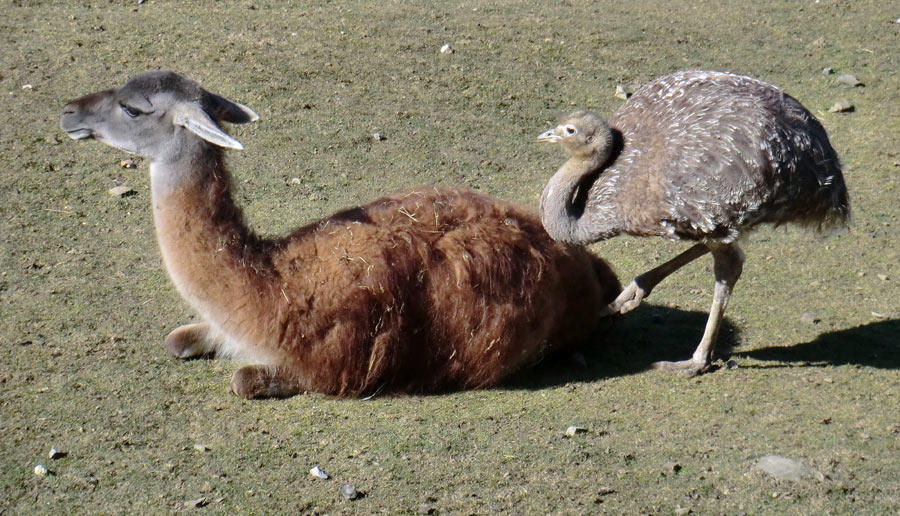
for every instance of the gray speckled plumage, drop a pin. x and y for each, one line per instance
(705, 156)
(698, 156)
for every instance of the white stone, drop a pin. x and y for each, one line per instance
(317, 472)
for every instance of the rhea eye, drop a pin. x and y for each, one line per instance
(130, 112)
(570, 130)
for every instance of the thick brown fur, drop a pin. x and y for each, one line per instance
(427, 290)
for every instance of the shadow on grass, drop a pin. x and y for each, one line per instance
(649, 334)
(652, 333)
(872, 345)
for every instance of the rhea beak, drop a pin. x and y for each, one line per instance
(551, 136)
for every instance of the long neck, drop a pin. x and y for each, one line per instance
(215, 261)
(564, 198)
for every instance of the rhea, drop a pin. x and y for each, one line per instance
(431, 289)
(702, 157)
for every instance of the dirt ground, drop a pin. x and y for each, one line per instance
(813, 330)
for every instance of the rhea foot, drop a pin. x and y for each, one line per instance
(190, 341)
(259, 381)
(629, 299)
(688, 368)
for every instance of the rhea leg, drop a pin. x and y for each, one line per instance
(260, 381)
(192, 340)
(728, 263)
(642, 285)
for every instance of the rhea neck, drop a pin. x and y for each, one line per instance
(565, 196)
(209, 252)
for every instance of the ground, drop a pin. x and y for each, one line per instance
(812, 331)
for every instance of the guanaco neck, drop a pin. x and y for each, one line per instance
(215, 261)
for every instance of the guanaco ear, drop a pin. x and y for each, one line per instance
(192, 117)
(228, 111)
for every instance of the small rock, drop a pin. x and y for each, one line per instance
(731, 364)
(671, 467)
(377, 137)
(446, 49)
(317, 472)
(882, 277)
(41, 471)
(810, 318)
(55, 453)
(605, 490)
(201, 448)
(120, 191)
(573, 430)
(787, 469)
(827, 70)
(27, 87)
(579, 359)
(296, 181)
(621, 93)
(199, 502)
(841, 106)
(425, 509)
(128, 163)
(349, 492)
(681, 511)
(849, 80)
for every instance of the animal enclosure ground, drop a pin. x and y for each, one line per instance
(813, 327)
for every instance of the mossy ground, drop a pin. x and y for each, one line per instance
(84, 301)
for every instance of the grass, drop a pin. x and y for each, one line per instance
(84, 301)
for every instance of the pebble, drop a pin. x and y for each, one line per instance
(787, 469)
(621, 93)
(349, 492)
(446, 49)
(573, 430)
(55, 453)
(128, 163)
(120, 191)
(377, 137)
(841, 106)
(199, 502)
(809, 318)
(827, 70)
(671, 467)
(317, 472)
(201, 448)
(849, 80)
(41, 471)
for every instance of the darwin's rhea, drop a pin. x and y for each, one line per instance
(697, 156)
(420, 291)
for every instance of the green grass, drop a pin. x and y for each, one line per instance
(84, 301)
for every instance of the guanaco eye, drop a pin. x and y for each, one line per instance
(130, 112)
(570, 130)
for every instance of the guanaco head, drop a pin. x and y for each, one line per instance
(583, 135)
(153, 115)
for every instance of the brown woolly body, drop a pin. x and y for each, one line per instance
(421, 291)
(427, 290)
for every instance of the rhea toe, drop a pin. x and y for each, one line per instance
(702, 157)
(424, 290)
